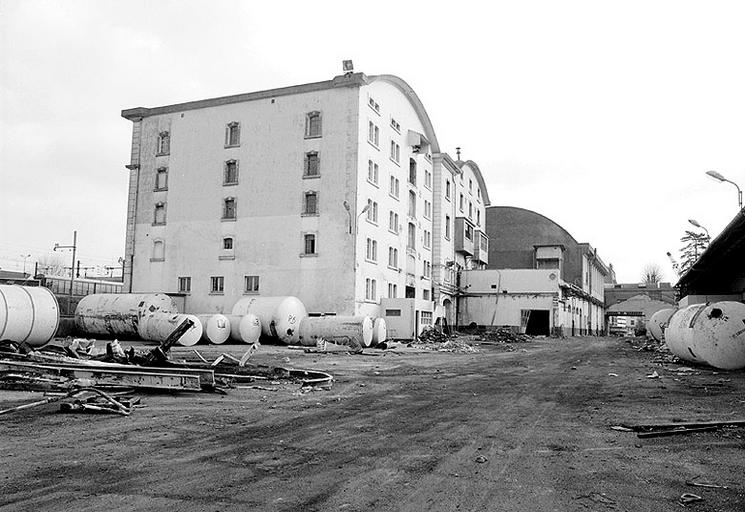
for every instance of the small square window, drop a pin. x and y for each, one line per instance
(184, 284)
(217, 284)
(251, 284)
(227, 243)
(233, 135)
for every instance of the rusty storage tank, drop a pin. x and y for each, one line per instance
(380, 331)
(244, 328)
(279, 316)
(28, 314)
(158, 326)
(658, 323)
(679, 333)
(354, 331)
(119, 314)
(719, 335)
(215, 328)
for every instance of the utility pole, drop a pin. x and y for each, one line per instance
(74, 247)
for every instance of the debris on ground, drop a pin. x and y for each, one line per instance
(433, 335)
(503, 335)
(707, 485)
(644, 344)
(674, 429)
(689, 498)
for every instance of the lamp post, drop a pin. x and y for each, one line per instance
(25, 257)
(719, 177)
(693, 222)
(74, 247)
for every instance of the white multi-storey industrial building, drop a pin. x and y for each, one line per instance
(335, 192)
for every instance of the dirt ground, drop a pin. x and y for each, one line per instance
(521, 430)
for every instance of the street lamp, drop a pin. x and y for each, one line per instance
(25, 257)
(719, 177)
(695, 223)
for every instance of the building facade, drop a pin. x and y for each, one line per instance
(326, 191)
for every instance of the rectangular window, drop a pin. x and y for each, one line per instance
(412, 204)
(227, 243)
(229, 208)
(372, 250)
(412, 171)
(427, 269)
(392, 291)
(161, 179)
(312, 125)
(394, 187)
(372, 172)
(312, 165)
(373, 105)
(447, 189)
(460, 203)
(411, 239)
(427, 209)
(470, 185)
(233, 135)
(469, 232)
(393, 222)
(425, 296)
(392, 312)
(160, 213)
(372, 211)
(184, 284)
(395, 152)
(393, 257)
(217, 284)
(427, 179)
(310, 244)
(164, 143)
(395, 125)
(447, 227)
(427, 239)
(250, 284)
(230, 176)
(470, 210)
(373, 134)
(478, 217)
(426, 318)
(370, 291)
(310, 203)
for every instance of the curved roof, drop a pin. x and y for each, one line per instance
(536, 214)
(479, 178)
(406, 89)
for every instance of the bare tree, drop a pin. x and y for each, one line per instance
(652, 274)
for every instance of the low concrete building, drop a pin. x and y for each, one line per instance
(628, 316)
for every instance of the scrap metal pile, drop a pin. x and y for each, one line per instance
(433, 338)
(106, 382)
(504, 335)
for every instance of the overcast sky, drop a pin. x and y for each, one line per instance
(603, 116)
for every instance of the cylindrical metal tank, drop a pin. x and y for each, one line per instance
(119, 314)
(158, 326)
(380, 332)
(245, 328)
(279, 316)
(658, 323)
(719, 335)
(215, 328)
(679, 333)
(355, 331)
(28, 314)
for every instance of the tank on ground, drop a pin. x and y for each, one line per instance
(380, 331)
(28, 314)
(245, 328)
(658, 323)
(158, 326)
(719, 335)
(279, 316)
(354, 331)
(215, 328)
(119, 314)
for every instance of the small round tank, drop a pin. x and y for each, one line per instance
(380, 331)
(279, 316)
(215, 328)
(658, 323)
(355, 331)
(119, 314)
(244, 328)
(719, 335)
(158, 326)
(679, 333)
(28, 314)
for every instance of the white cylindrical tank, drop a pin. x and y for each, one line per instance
(215, 328)
(119, 314)
(279, 316)
(245, 328)
(658, 323)
(719, 335)
(679, 333)
(28, 314)
(355, 331)
(158, 326)
(380, 332)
